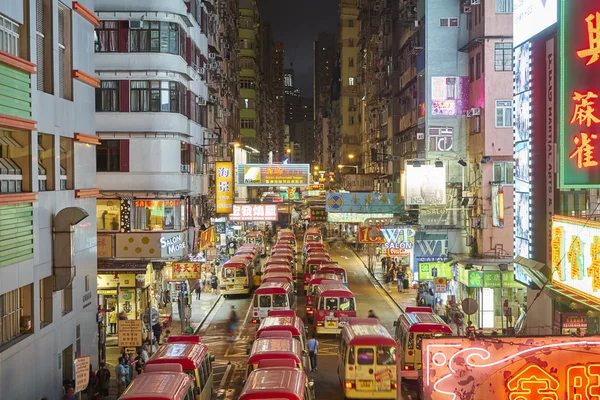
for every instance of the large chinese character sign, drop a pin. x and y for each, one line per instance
(579, 102)
(224, 187)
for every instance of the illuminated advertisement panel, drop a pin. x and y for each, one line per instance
(449, 95)
(357, 218)
(337, 202)
(425, 185)
(254, 212)
(516, 368)
(285, 175)
(522, 151)
(579, 66)
(576, 255)
(224, 187)
(530, 17)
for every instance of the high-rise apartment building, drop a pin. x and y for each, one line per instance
(47, 195)
(324, 53)
(350, 94)
(278, 91)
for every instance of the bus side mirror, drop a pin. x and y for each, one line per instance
(306, 330)
(197, 391)
(395, 323)
(212, 358)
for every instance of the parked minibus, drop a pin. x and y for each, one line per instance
(275, 349)
(288, 323)
(412, 326)
(257, 238)
(172, 384)
(195, 360)
(313, 235)
(334, 268)
(279, 277)
(311, 265)
(237, 276)
(279, 382)
(334, 304)
(277, 268)
(367, 362)
(316, 280)
(272, 296)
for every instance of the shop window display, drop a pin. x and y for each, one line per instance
(157, 215)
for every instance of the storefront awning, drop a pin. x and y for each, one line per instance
(540, 277)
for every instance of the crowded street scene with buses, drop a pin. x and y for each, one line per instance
(299, 200)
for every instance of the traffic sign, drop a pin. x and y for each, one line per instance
(441, 285)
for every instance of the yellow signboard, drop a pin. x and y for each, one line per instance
(224, 187)
(179, 272)
(130, 333)
(109, 281)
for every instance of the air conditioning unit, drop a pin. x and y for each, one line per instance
(376, 8)
(476, 111)
(389, 142)
(201, 101)
(135, 24)
(416, 50)
(467, 9)
(214, 97)
(200, 70)
(420, 135)
(388, 185)
(469, 113)
(214, 65)
(418, 24)
(475, 2)
(185, 169)
(227, 46)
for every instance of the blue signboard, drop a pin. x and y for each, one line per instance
(365, 203)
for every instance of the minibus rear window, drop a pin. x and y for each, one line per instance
(365, 356)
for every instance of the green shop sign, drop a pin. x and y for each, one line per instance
(491, 279)
(426, 269)
(286, 197)
(470, 278)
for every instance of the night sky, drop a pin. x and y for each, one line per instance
(297, 24)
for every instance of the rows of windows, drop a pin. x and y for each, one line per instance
(9, 36)
(15, 309)
(150, 37)
(145, 214)
(158, 96)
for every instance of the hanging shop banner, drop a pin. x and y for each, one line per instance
(579, 89)
(558, 367)
(207, 239)
(318, 215)
(498, 205)
(179, 272)
(363, 203)
(111, 281)
(576, 254)
(357, 218)
(370, 235)
(491, 279)
(430, 270)
(286, 175)
(425, 185)
(359, 182)
(431, 247)
(130, 332)
(470, 278)
(254, 212)
(224, 187)
(172, 244)
(399, 242)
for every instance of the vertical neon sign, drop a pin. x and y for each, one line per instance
(579, 102)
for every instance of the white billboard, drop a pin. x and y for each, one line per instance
(425, 185)
(530, 17)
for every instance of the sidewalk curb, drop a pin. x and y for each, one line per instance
(377, 280)
(207, 314)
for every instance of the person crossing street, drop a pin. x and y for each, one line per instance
(313, 350)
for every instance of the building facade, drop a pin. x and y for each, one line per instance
(163, 115)
(48, 195)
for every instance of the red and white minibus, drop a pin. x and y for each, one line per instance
(316, 280)
(194, 359)
(278, 277)
(236, 276)
(367, 366)
(272, 296)
(288, 323)
(313, 235)
(334, 304)
(334, 268)
(412, 326)
(279, 382)
(277, 268)
(311, 265)
(256, 238)
(275, 349)
(172, 384)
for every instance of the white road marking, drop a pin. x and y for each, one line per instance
(224, 379)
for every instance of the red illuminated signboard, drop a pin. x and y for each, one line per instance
(539, 368)
(579, 102)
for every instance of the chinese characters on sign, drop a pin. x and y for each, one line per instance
(254, 212)
(82, 373)
(318, 215)
(224, 187)
(130, 333)
(579, 269)
(580, 88)
(273, 175)
(183, 271)
(520, 368)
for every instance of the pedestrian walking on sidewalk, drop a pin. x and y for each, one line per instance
(377, 252)
(112, 318)
(313, 350)
(213, 284)
(233, 320)
(400, 278)
(103, 378)
(198, 291)
(122, 374)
